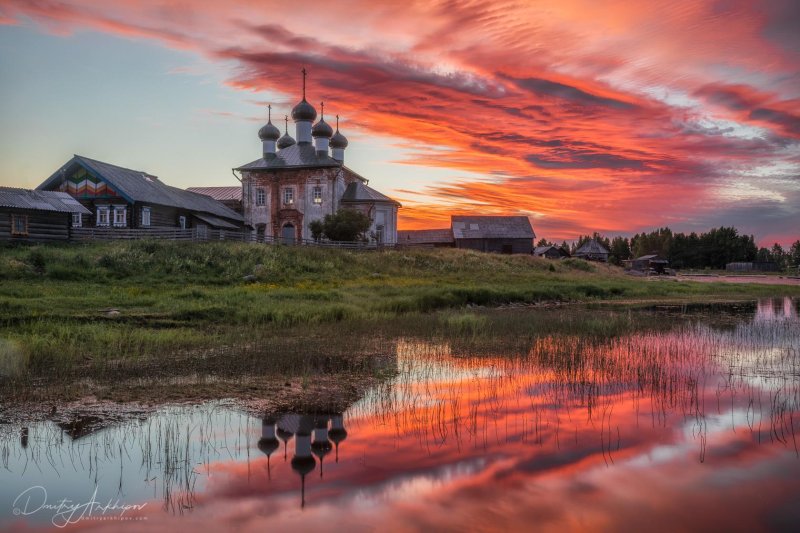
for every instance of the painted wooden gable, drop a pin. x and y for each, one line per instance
(83, 185)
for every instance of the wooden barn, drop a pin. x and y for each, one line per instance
(592, 251)
(507, 235)
(37, 216)
(120, 199)
(550, 252)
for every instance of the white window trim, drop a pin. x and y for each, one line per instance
(316, 200)
(288, 191)
(120, 209)
(77, 220)
(182, 222)
(103, 209)
(146, 213)
(261, 197)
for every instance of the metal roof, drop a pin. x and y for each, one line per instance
(359, 192)
(139, 186)
(215, 222)
(425, 236)
(491, 227)
(219, 193)
(302, 155)
(59, 202)
(591, 247)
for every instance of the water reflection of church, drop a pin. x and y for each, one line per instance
(314, 436)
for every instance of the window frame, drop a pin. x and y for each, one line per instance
(261, 197)
(316, 195)
(182, 221)
(77, 220)
(15, 219)
(288, 196)
(124, 211)
(106, 211)
(146, 216)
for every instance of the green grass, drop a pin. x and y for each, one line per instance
(183, 297)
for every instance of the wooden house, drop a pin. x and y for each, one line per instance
(120, 199)
(592, 251)
(426, 238)
(551, 252)
(651, 263)
(500, 234)
(38, 216)
(229, 196)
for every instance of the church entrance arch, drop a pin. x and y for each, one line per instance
(287, 233)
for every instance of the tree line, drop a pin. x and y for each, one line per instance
(712, 249)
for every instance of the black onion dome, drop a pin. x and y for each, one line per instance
(269, 132)
(337, 435)
(286, 141)
(304, 111)
(322, 129)
(338, 140)
(304, 465)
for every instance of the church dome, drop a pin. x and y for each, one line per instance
(268, 446)
(304, 111)
(338, 140)
(286, 141)
(269, 132)
(322, 129)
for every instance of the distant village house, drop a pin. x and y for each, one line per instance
(37, 216)
(499, 234)
(592, 251)
(550, 252)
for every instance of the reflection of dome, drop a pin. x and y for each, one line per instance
(304, 112)
(304, 464)
(337, 433)
(268, 446)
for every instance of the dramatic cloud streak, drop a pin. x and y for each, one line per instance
(612, 116)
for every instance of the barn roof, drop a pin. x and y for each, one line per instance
(654, 258)
(296, 156)
(591, 247)
(425, 236)
(59, 202)
(540, 250)
(489, 227)
(360, 192)
(139, 186)
(219, 193)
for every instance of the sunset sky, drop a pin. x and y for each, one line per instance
(612, 116)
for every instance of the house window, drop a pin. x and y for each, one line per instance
(145, 216)
(261, 196)
(288, 196)
(102, 216)
(120, 217)
(316, 194)
(19, 225)
(182, 222)
(77, 220)
(379, 234)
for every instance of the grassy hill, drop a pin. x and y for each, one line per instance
(125, 300)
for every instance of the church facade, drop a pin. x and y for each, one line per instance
(298, 181)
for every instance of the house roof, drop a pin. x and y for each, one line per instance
(651, 257)
(591, 247)
(219, 193)
(59, 202)
(360, 192)
(488, 227)
(301, 155)
(425, 236)
(139, 186)
(540, 250)
(215, 222)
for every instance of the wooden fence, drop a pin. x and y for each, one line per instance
(208, 235)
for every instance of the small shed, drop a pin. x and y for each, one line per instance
(426, 238)
(649, 263)
(37, 216)
(500, 234)
(550, 252)
(592, 251)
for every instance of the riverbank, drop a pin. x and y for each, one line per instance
(73, 306)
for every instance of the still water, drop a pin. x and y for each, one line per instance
(684, 428)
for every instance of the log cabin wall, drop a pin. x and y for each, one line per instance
(42, 226)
